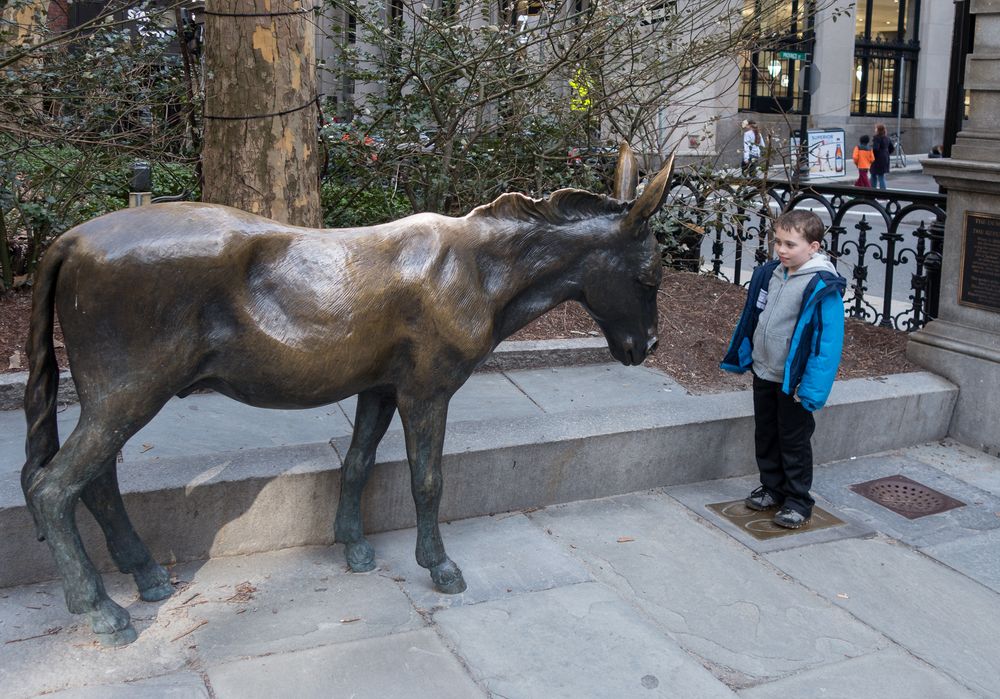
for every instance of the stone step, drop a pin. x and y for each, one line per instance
(516, 440)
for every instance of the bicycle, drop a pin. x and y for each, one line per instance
(898, 152)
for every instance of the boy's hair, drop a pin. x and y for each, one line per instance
(865, 138)
(805, 223)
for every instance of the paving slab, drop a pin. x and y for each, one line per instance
(43, 648)
(978, 515)
(978, 557)
(206, 423)
(415, 665)
(561, 389)
(938, 614)
(488, 396)
(223, 608)
(698, 496)
(284, 601)
(746, 620)
(973, 466)
(178, 685)
(889, 674)
(499, 556)
(575, 641)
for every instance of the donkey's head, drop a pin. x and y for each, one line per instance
(621, 280)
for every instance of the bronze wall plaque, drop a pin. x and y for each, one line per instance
(979, 272)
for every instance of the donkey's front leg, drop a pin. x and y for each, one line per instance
(424, 424)
(375, 411)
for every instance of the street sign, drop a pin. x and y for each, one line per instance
(792, 55)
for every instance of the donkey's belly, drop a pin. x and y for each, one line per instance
(288, 389)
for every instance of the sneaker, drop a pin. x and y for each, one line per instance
(789, 519)
(761, 499)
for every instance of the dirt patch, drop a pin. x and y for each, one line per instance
(697, 316)
(15, 317)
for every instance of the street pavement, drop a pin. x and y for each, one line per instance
(650, 594)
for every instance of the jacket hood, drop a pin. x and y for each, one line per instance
(864, 146)
(819, 262)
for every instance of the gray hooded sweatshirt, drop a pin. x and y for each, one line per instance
(776, 324)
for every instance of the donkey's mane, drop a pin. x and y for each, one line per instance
(561, 207)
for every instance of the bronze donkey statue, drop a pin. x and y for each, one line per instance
(160, 301)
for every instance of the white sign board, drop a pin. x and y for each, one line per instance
(827, 152)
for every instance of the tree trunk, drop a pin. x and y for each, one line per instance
(260, 149)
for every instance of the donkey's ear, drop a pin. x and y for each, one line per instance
(626, 174)
(651, 199)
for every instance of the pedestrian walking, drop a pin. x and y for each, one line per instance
(882, 148)
(863, 157)
(752, 142)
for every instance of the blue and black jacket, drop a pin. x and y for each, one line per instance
(817, 341)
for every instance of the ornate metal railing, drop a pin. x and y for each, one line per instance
(908, 232)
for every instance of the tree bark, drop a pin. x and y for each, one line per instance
(260, 150)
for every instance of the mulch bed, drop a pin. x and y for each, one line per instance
(697, 316)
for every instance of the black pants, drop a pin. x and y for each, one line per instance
(782, 432)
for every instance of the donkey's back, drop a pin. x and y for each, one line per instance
(182, 296)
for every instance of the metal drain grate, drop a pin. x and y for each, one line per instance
(906, 497)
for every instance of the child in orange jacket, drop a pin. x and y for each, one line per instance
(863, 158)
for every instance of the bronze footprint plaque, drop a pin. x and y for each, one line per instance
(759, 524)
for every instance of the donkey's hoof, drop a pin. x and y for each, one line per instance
(110, 621)
(360, 556)
(154, 583)
(448, 578)
(122, 637)
(156, 593)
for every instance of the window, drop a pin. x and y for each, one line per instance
(769, 76)
(885, 57)
(396, 12)
(658, 12)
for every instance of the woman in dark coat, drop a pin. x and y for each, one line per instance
(882, 148)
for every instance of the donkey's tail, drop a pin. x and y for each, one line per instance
(43, 377)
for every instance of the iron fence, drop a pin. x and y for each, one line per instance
(894, 229)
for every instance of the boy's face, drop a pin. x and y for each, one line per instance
(792, 248)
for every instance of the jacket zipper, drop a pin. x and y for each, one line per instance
(776, 297)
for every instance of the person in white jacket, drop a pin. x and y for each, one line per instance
(751, 146)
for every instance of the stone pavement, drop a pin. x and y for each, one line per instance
(641, 595)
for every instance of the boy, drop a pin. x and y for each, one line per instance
(791, 334)
(863, 158)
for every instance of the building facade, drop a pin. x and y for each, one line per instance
(879, 61)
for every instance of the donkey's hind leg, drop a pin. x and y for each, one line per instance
(52, 493)
(375, 411)
(104, 500)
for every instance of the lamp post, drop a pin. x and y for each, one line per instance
(141, 184)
